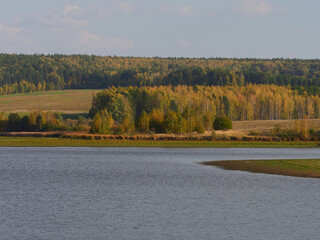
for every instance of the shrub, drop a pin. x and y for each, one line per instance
(199, 128)
(222, 123)
(315, 135)
(213, 134)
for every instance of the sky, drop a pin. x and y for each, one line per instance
(163, 28)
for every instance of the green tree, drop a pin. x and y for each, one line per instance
(222, 123)
(25, 124)
(14, 123)
(226, 104)
(39, 122)
(187, 115)
(199, 127)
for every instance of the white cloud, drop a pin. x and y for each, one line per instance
(94, 42)
(70, 16)
(12, 38)
(9, 31)
(252, 7)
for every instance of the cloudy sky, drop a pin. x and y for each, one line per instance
(164, 28)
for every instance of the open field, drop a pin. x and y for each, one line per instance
(296, 168)
(261, 125)
(69, 142)
(64, 101)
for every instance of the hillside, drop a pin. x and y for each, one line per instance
(30, 73)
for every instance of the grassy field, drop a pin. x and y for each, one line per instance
(67, 142)
(64, 101)
(295, 168)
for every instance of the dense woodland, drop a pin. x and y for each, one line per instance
(28, 73)
(178, 109)
(164, 95)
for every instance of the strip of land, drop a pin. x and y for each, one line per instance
(309, 168)
(76, 142)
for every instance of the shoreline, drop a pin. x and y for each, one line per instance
(78, 142)
(306, 168)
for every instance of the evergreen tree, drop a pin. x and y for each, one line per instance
(222, 123)
(14, 123)
(25, 124)
(39, 122)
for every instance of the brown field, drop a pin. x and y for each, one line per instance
(64, 101)
(261, 125)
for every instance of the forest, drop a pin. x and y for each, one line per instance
(180, 109)
(29, 73)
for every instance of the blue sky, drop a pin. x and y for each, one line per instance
(176, 28)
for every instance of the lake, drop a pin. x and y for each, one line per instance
(152, 193)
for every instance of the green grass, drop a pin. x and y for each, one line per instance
(68, 142)
(297, 168)
(304, 164)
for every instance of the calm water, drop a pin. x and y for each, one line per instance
(155, 193)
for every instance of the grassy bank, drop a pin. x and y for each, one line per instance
(69, 142)
(295, 168)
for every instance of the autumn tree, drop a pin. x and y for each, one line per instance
(102, 122)
(170, 123)
(156, 121)
(143, 123)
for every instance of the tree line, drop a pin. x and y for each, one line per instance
(179, 109)
(29, 73)
(39, 122)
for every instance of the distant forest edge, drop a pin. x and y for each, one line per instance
(195, 107)
(29, 73)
